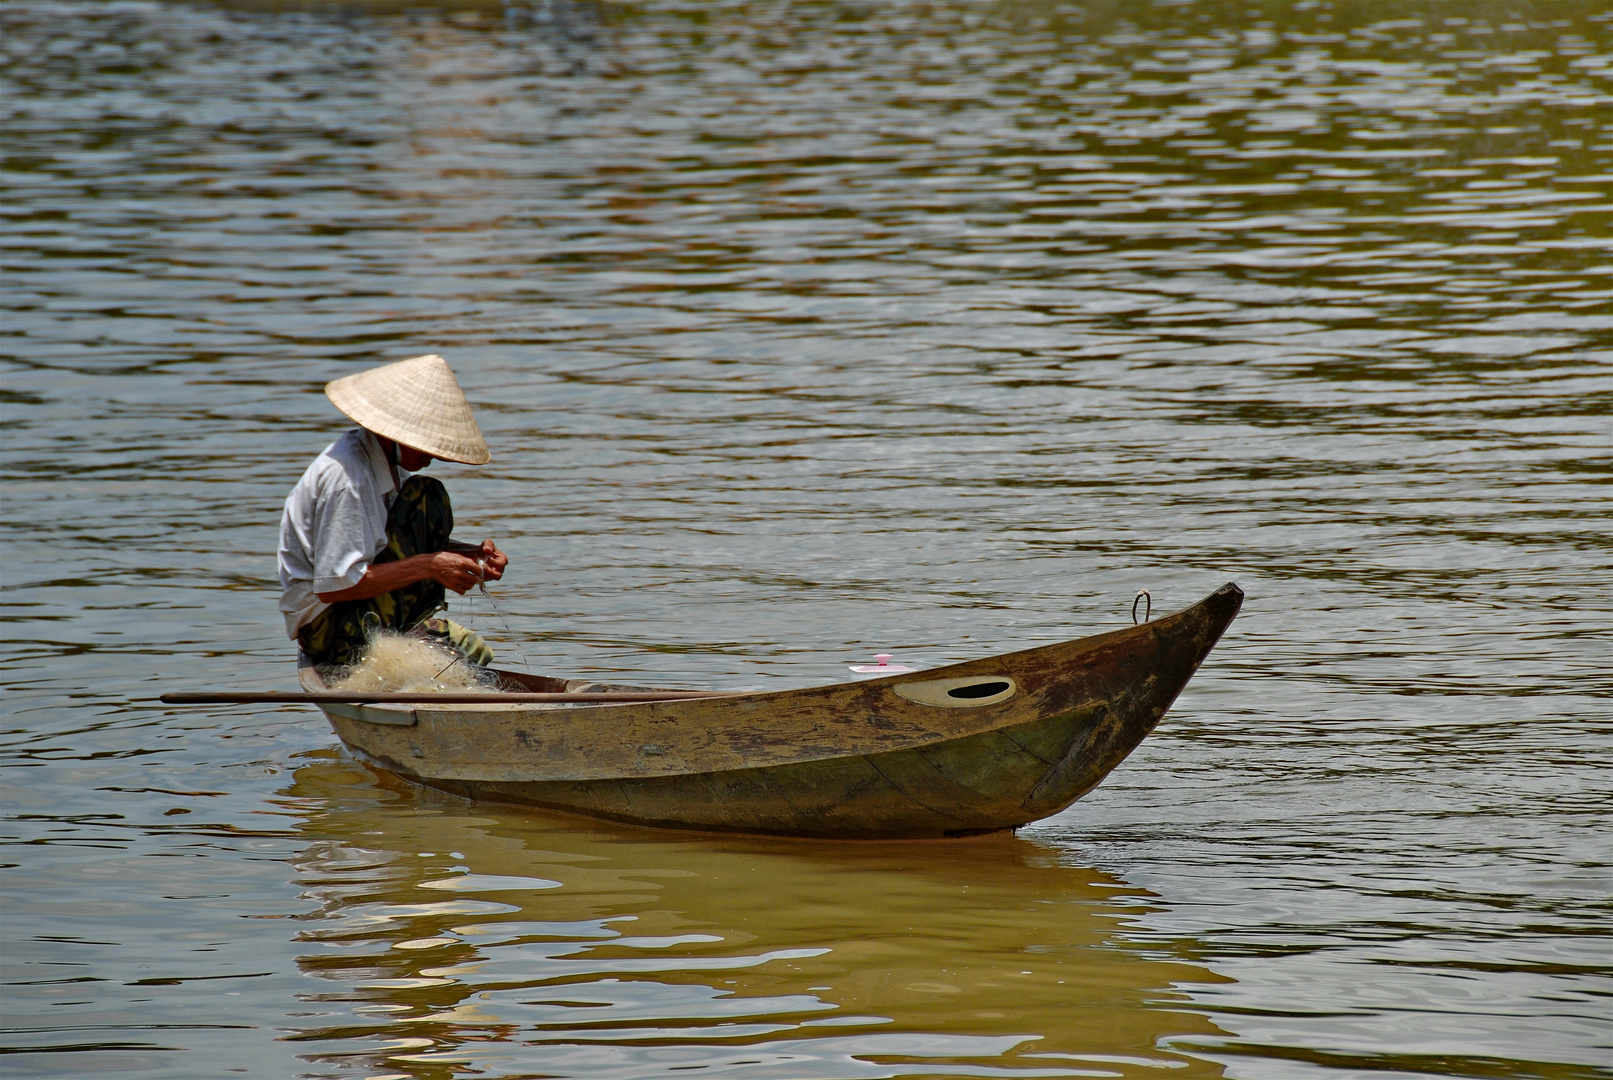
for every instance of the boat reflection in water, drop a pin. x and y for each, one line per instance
(455, 939)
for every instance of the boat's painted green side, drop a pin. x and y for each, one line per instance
(852, 760)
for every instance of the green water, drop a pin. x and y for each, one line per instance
(802, 332)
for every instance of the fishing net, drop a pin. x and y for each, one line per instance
(405, 663)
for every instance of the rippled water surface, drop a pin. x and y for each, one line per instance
(802, 331)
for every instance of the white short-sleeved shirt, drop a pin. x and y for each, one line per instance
(334, 524)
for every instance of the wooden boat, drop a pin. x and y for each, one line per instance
(974, 747)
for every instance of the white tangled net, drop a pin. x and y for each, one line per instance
(402, 663)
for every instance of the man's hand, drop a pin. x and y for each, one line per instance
(487, 553)
(493, 560)
(454, 571)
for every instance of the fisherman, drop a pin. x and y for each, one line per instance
(364, 543)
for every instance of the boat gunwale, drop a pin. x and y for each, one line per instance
(311, 680)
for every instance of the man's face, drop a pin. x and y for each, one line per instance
(407, 457)
(412, 460)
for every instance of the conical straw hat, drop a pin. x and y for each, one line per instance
(414, 402)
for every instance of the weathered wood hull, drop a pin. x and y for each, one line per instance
(975, 747)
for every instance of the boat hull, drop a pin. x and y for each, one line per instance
(977, 747)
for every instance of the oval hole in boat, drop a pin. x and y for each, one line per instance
(969, 692)
(978, 690)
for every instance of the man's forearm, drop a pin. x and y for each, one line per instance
(448, 568)
(383, 578)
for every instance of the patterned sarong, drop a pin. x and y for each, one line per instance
(420, 521)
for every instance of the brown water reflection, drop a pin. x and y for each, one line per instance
(466, 936)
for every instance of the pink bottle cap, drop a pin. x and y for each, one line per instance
(881, 666)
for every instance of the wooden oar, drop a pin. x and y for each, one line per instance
(272, 697)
